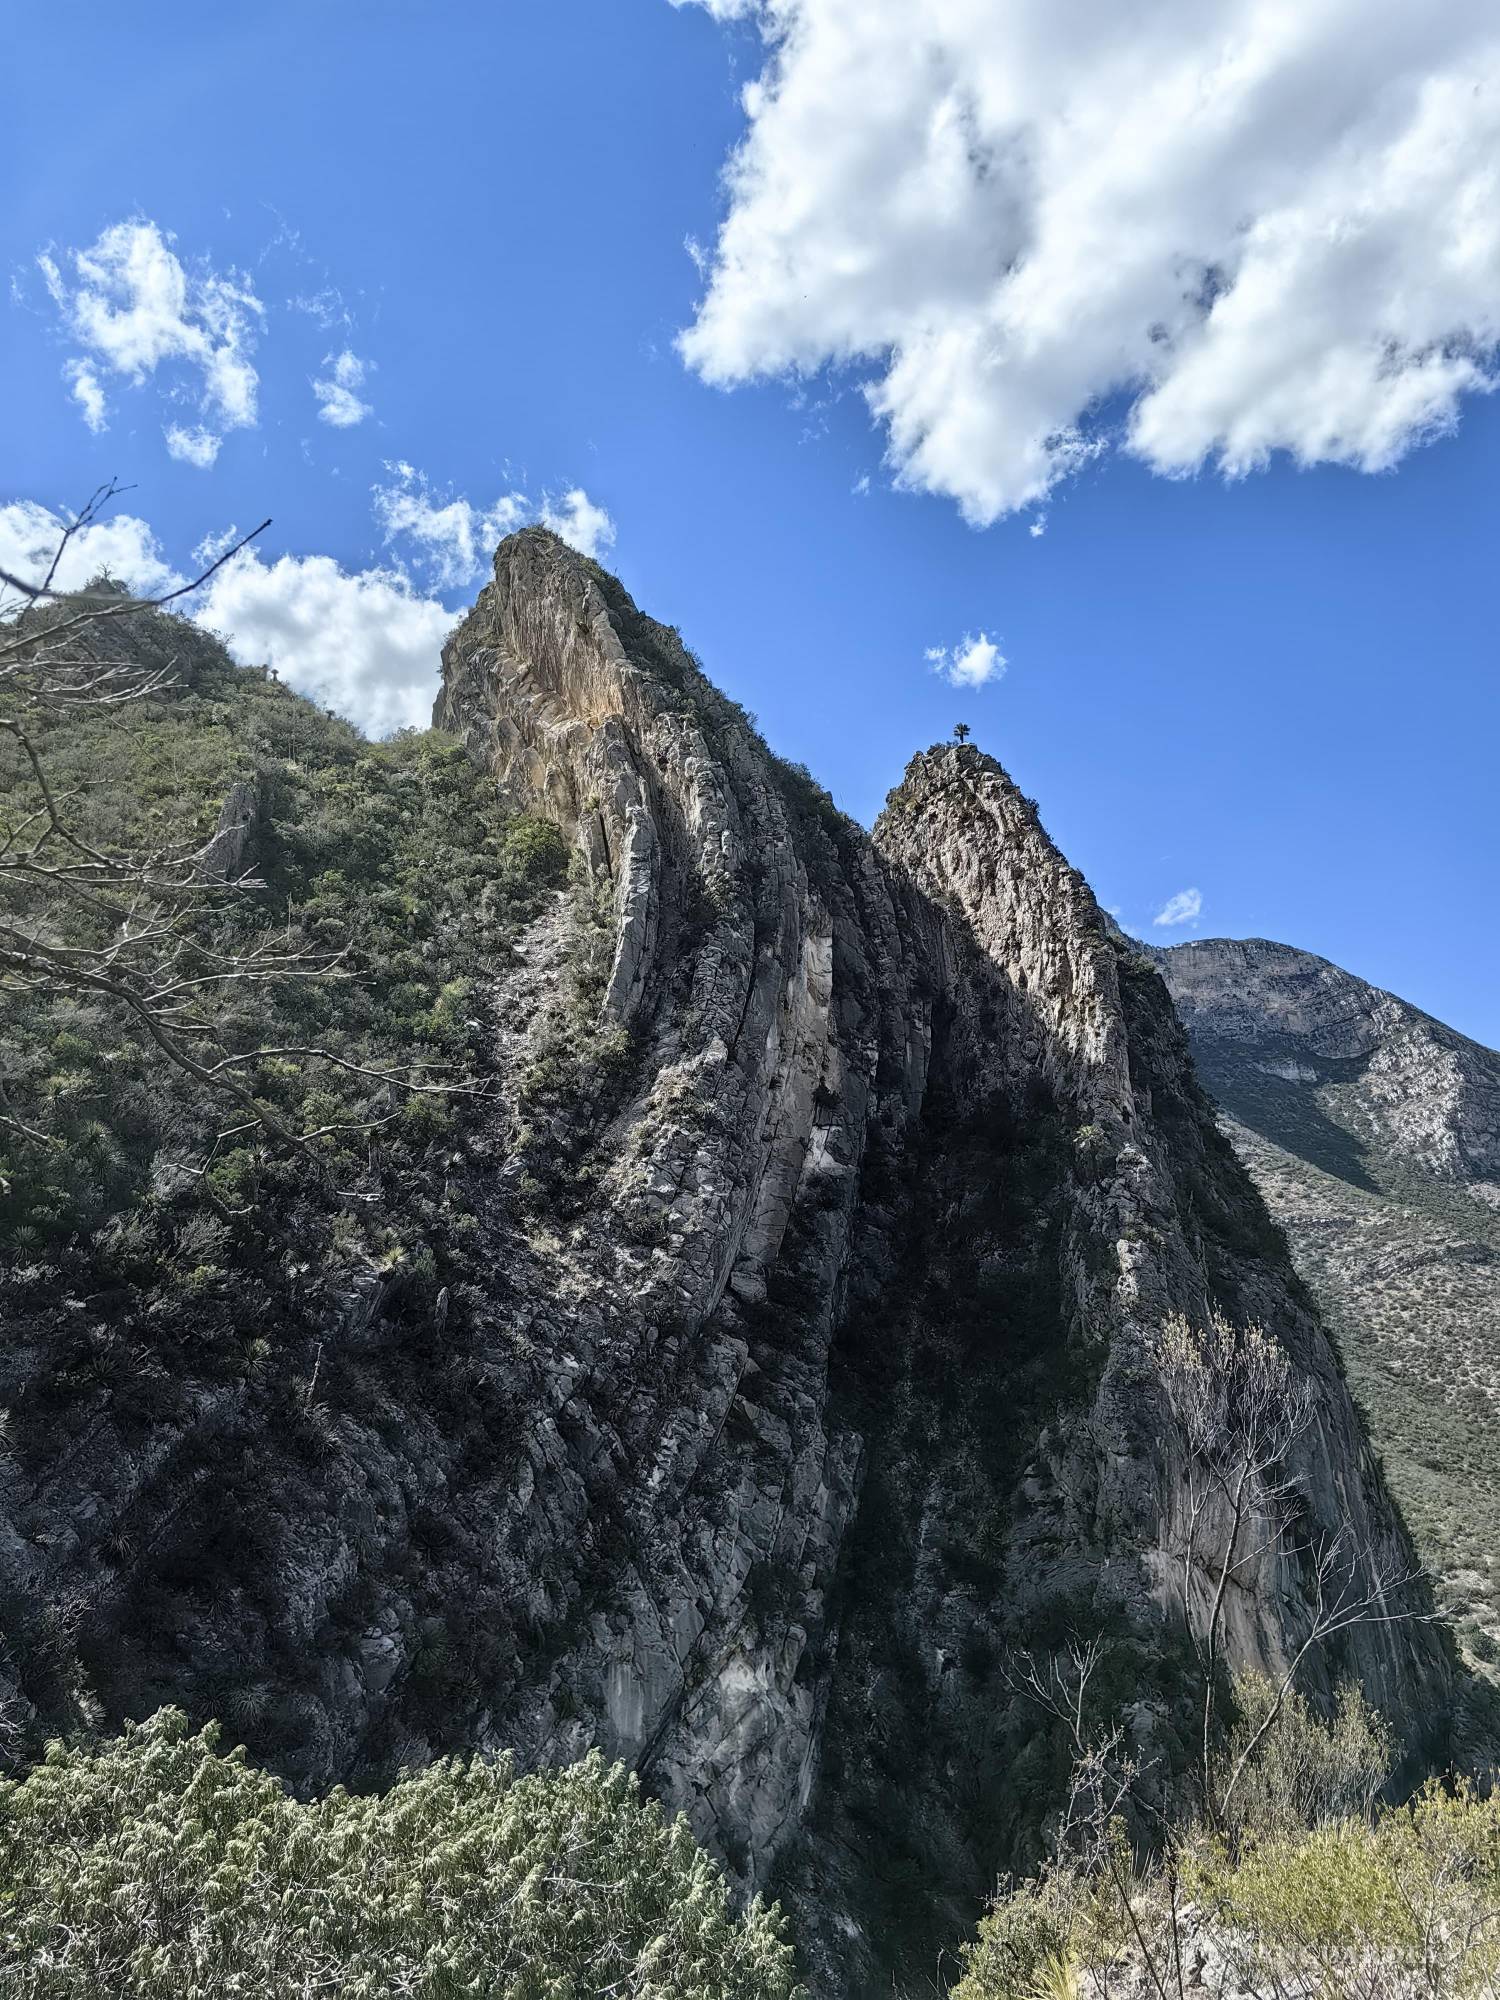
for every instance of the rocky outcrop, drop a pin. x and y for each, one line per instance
(1396, 1081)
(1371, 1130)
(226, 855)
(832, 1197)
(934, 1168)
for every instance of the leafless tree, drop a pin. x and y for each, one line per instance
(1241, 1411)
(1104, 1781)
(83, 917)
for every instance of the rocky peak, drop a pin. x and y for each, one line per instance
(936, 1167)
(832, 1192)
(961, 829)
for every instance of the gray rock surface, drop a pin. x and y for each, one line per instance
(1373, 1132)
(832, 1193)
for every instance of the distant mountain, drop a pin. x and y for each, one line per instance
(1374, 1134)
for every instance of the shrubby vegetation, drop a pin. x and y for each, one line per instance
(154, 1867)
(1307, 1888)
(392, 880)
(260, 1320)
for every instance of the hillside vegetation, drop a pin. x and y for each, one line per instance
(156, 1867)
(390, 876)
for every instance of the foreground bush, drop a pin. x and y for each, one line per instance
(1406, 1907)
(155, 1868)
(1304, 1890)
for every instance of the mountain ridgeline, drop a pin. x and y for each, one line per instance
(1373, 1132)
(736, 1385)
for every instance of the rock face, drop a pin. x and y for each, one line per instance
(835, 1192)
(1395, 1082)
(1373, 1132)
(932, 1166)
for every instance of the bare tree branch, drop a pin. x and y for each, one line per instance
(85, 916)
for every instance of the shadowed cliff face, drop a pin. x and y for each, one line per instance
(1373, 1132)
(832, 1194)
(933, 1167)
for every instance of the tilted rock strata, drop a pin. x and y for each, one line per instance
(958, 961)
(813, 1366)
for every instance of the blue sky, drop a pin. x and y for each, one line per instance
(1275, 689)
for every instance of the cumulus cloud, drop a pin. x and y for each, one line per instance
(973, 662)
(194, 446)
(337, 392)
(575, 517)
(447, 535)
(123, 546)
(452, 540)
(1181, 908)
(133, 307)
(365, 643)
(1202, 233)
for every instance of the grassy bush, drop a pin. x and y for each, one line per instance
(1310, 1888)
(1408, 1903)
(395, 858)
(152, 1868)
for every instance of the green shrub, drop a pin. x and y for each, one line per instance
(1408, 1903)
(154, 1868)
(1308, 1888)
(1301, 1770)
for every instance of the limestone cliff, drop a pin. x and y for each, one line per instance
(1373, 1132)
(832, 1191)
(933, 1165)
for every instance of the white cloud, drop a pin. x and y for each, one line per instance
(452, 539)
(1038, 527)
(213, 545)
(973, 662)
(326, 307)
(88, 393)
(1245, 226)
(363, 643)
(575, 517)
(338, 396)
(133, 307)
(122, 545)
(194, 447)
(1181, 908)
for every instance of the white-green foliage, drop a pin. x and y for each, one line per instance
(152, 1867)
(1307, 1889)
(1282, 1770)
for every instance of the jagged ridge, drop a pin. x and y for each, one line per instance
(833, 1189)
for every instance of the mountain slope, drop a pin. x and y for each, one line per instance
(735, 1384)
(1373, 1132)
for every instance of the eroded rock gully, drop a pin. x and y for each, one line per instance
(811, 1371)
